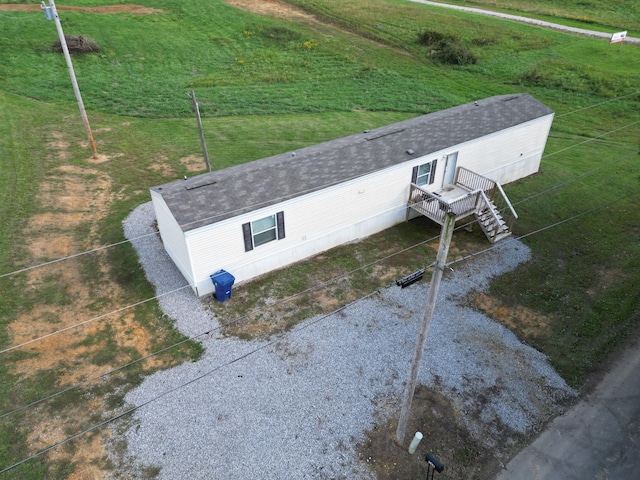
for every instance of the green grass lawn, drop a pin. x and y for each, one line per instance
(266, 86)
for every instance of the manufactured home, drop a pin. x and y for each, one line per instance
(263, 215)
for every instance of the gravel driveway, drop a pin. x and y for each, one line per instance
(297, 406)
(531, 21)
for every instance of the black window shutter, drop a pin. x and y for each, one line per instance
(248, 241)
(432, 175)
(414, 175)
(280, 223)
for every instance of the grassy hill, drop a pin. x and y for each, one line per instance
(268, 84)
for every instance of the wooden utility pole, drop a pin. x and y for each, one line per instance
(434, 286)
(196, 108)
(63, 43)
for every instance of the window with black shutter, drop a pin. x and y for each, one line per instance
(424, 174)
(263, 231)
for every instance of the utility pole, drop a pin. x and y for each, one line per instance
(50, 13)
(434, 286)
(196, 108)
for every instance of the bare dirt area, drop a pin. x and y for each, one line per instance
(193, 163)
(434, 416)
(269, 7)
(107, 9)
(67, 334)
(527, 323)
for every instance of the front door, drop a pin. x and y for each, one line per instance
(450, 168)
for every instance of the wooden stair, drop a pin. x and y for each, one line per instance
(492, 223)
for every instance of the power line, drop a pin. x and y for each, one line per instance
(573, 179)
(279, 337)
(219, 327)
(104, 315)
(212, 217)
(591, 139)
(306, 325)
(242, 317)
(598, 104)
(284, 300)
(182, 385)
(540, 230)
(90, 320)
(331, 280)
(315, 287)
(75, 255)
(185, 286)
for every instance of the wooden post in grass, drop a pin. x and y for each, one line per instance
(434, 286)
(196, 108)
(63, 43)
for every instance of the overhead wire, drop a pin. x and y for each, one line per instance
(212, 217)
(278, 338)
(93, 319)
(573, 179)
(180, 386)
(185, 286)
(591, 139)
(597, 104)
(33, 340)
(288, 298)
(75, 255)
(219, 327)
(542, 229)
(239, 318)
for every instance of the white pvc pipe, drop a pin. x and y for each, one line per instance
(415, 442)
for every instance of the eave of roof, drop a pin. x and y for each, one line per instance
(215, 196)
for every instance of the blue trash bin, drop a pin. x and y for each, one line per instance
(222, 281)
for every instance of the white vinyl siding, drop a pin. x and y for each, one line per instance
(349, 211)
(173, 237)
(508, 155)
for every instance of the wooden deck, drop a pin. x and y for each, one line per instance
(470, 194)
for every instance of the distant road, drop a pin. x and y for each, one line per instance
(532, 21)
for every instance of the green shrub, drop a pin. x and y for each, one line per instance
(446, 48)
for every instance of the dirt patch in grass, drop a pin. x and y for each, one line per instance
(54, 429)
(162, 166)
(269, 7)
(606, 279)
(66, 333)
(98, 158)
(272, 304)
(524, 321)
(127, 8)
(193, 163)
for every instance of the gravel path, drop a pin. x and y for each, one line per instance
(297, 406)
(532, 21)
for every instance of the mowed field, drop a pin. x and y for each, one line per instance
(79, 324)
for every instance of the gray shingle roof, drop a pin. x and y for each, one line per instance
(215, 196)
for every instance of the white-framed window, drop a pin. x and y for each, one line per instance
(263, 230)
(425, 174)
